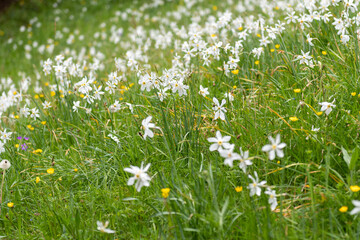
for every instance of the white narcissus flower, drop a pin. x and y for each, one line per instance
(327, 107)
(356, 209)
(244, 160)
(274, 147)
(255, 186)
(229, 155)
(304, 58)
(146, 125)
(102, 227)
(219, 110)
(219, 142)
(272, 198)
(140, 175)
(203, 91)
(5, 164)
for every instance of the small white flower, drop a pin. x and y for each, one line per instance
(274, 147)
(255, 186)
(102, 227)
(4, 135)
(327, 107)
(76, 106)
(219, 142)
(356, 209)
(146, 125)
(244, 160)
(229, 155)
(46, 105)
(272, 198)
(219, 110)
(140, 175)
(203, 91)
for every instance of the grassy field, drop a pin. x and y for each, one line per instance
(180, 119)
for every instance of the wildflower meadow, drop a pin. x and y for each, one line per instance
(180, 119)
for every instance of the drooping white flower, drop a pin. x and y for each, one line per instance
(219, 142)
(102, 227)
(76, 106)
(275, 147)
(244, 160)
(146, 125)
(140, 176)
(219, 110)
(114, 138)
(356, 209)
(272, 198)
(255, 186)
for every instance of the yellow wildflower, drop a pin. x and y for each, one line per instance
(236, 71)
(343, 209)
(165, 192)
(355, 188)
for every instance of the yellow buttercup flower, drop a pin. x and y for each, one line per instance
(50, 171)
(37, 179)
(75, 169)
(257, 62)
(165, 192)
(277, 45)
(10, 204)
(52, 93)
(43, 122)
(238, 189)
(293, 119)
(236, 71)
(297, 90)
(343, 209)
(353, 93)
(355, 188)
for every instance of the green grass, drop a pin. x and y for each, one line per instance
(312, 181)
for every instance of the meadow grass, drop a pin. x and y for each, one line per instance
(70, 172)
